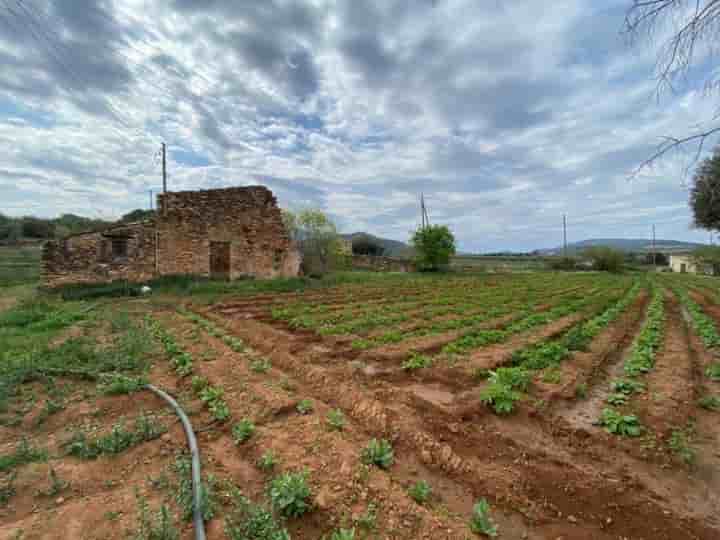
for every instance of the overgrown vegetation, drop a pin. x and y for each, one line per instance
(25, 452)
(146, 428)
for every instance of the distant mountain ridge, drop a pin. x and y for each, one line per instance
(393, 248)
(625, 244)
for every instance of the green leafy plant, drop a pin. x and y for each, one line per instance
(261, 365)
(378, 452)
(289, 494)
(552, 375)
(627, 387)
(368, 519)
(243, 430)
(420, 491)
(267, 461)
(343, 534)
(417, 361)
(617, 399)
(305, 406)
(117, 383)
(213, 397)
(500, 393)
(199, 384)
(626, 425)
(184, 490)
(480, 522)
(336, 419)
(581, 391)
(711, 403)
(642, 355)
(713, 371)
(680, 444)
(249, 521)
(24, 453)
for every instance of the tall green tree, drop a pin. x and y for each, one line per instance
(434, 245)
(705, 193)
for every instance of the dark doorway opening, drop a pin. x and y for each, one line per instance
(220, 260)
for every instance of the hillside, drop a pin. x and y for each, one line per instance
(393, 248)
(625, 244)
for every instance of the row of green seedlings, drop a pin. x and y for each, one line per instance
(506, 385)
(350, 320)
(212, 396)
(290, 495)
(508, 302)
(258, 365)
(181, 360)
(640, 362)
(146, 428)
(482, 338)
(706, 329)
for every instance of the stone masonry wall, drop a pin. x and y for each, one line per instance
(248, 218)
(88, 258)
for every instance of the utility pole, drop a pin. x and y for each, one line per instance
(151, 201)
(164, 169)
(423, 212)
(564, 237)
(654, 252)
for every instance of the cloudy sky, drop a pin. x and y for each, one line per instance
(505, 114)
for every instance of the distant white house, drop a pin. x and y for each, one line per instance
(686, 263)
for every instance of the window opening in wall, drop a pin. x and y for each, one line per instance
(119, 248)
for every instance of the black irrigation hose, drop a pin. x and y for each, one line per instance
(195, 457)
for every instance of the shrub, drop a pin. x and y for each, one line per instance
(378, 452)
(562, 263)
(336, 419)
(605, 259)
(480, 522)
(243, 430)
(290, 494)
(420, 492)
(434, 245)
(626, 425)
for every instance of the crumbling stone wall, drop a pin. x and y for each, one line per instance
(247, 218)
(243, 225)
(125, 252)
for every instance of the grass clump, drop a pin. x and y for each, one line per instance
(305, 406)
(626, 425)
(420, 491)
(243, 430)
(378, 452)
(157, 526)
(24, 453)
(290, 494)
(336, 419)
(480, 522)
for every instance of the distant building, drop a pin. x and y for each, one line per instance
(686, 263)
(222, 233)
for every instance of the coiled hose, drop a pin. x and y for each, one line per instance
(195, 457)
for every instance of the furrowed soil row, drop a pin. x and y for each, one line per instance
(302, 441)
(514, 484)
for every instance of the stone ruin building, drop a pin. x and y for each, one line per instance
(220, 233)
